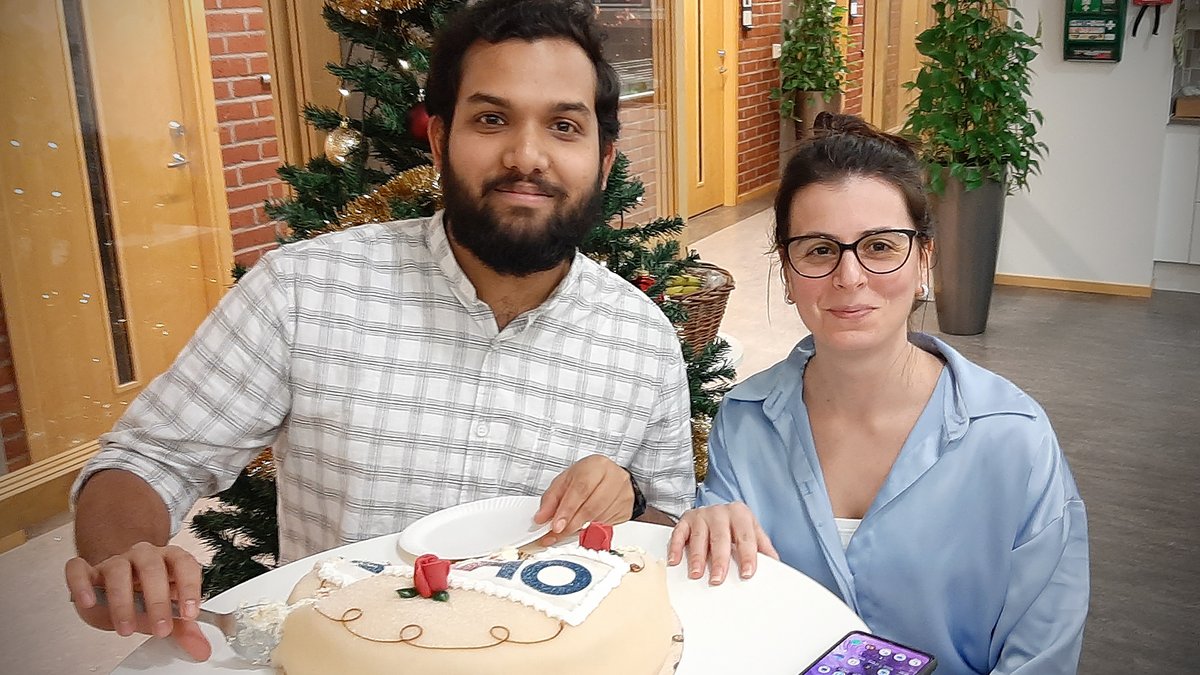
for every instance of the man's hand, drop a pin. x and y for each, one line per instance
(162, 574)
(593, 489)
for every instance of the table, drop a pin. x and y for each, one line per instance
(773, 624)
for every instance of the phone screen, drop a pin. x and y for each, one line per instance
(864, 654)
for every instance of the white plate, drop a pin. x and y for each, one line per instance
(773, 624)
(474, 529)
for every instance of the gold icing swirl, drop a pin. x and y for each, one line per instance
(500, 634)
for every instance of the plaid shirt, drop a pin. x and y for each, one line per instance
(365, 359)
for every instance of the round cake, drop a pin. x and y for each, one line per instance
(567, 610)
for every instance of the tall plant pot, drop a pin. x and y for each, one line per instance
(809, 104)
(968, 242)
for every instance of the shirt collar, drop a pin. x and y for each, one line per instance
(443, 255)
(978, 392)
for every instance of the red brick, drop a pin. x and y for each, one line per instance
(264, 108)
(245, 131)
(18, 463)
(256, 21)
(239, 154)
(259, 65)
(257, 173)
(216, 45)
(247, 86)
(246, 43)
(223, 22)
(11, 425)
(235, 110)
(230, 66)
(225, 134)
(16, 447)
(242, 218)
(253, 238)
(245, 196)
(238, 4)
(231, 178)
(210, 4)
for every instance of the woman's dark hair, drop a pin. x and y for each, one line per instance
(495, 21)
(844, 146)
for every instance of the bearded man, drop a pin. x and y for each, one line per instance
(402, 368)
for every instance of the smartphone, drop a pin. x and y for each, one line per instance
(864, 654)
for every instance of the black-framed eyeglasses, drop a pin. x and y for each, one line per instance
(879, 252)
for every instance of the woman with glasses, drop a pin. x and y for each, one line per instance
(927, 492)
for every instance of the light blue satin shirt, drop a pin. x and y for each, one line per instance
(975, 548)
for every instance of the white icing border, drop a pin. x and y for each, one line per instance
(341, 572)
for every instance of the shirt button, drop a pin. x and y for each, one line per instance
(482, 429)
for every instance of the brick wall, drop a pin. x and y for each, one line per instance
(12, 427)
(852, 101)
(757, 115)
(237, 40)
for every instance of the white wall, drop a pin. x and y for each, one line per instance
(1177, 194)
(1092, 213)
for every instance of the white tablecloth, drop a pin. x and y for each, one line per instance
(773, 624)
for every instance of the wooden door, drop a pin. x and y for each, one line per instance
(892, 58)
(111, 251)
(706, 74)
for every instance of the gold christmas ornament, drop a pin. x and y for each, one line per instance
(263, 465)
(366, 11)
(341, 142)
(418, 182)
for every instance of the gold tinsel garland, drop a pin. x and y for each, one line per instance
(700, 429)
(366, 11)
(416, 183)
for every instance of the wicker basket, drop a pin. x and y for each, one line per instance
(705, 309)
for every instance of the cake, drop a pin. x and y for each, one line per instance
(567, 610)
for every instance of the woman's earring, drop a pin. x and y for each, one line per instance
(924, 296)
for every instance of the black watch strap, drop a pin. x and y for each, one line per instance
(639, 499)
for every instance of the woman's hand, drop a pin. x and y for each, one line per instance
(710, 533)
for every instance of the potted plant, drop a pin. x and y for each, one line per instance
(978, 135)
(811, 63)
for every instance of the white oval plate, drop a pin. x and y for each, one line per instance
(474, 529)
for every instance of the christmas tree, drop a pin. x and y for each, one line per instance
(376, 168)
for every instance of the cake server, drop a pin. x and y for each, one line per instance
(252, 631)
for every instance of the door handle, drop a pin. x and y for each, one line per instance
(177, 160)
(721, 53)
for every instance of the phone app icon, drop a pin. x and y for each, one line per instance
(852, 662)
(885, 671)
(885, 652)
(870, 648)
(824, 669)
(914, 662)
(900, 657)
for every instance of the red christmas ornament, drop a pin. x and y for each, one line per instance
(596, 536)
(418, 122)
(430, 575)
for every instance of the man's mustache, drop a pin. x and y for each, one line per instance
(510, 181)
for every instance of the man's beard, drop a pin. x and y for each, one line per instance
(518, 249)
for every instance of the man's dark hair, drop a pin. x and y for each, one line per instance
(495, 21)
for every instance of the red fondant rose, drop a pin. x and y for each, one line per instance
(430, 575)
(596, 536)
